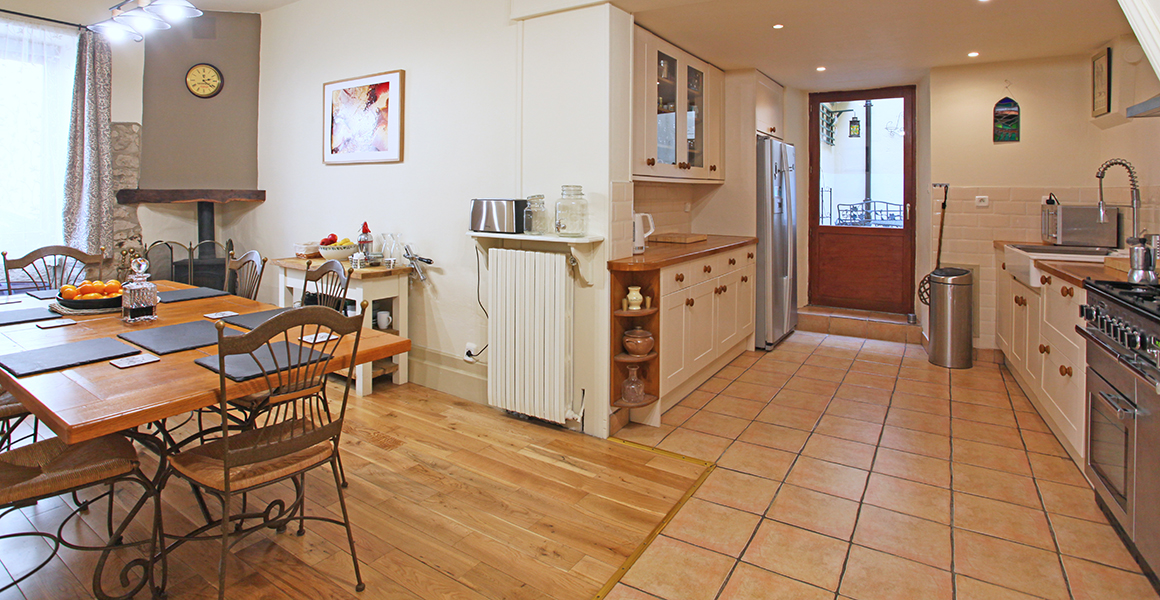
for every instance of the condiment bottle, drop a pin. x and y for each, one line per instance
(366, 241)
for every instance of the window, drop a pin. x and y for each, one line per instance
(37, 68)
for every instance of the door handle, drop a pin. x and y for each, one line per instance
(1114, 403)
(907, 217)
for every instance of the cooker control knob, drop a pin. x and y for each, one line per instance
(1132, 339)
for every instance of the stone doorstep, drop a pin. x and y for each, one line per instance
(858, 323)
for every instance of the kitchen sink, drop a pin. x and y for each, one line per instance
(1020, 259)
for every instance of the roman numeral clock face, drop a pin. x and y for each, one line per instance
(203, 80)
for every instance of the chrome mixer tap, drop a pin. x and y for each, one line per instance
(1141, 269)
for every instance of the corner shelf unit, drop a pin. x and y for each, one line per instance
(622, 320)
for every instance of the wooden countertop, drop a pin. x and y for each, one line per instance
(299, 264)
(1076, 272)
(662, 255)
(1000, 243)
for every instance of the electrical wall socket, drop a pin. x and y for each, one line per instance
(982, 201)
(688, 207)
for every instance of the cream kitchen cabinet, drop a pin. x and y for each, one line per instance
(770, 106)
(678, 114)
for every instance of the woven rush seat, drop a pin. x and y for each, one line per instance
(203, 464)
(10, 407)
(51, 466)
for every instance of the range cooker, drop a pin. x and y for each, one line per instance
(1122, 333)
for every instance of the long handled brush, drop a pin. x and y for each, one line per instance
(924, 285)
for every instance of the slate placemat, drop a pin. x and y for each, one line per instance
(252, 320)
(27, 315)
(241, 367)
(175, 338)
(43, 294)
(190, 294)
(31, 362)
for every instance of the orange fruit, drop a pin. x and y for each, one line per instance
(93, 296)
(98, 286)
(112, 286)
(116, 294)
(84, 282)
(86, 288)
(68, 292)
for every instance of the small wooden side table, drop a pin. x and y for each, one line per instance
(370, 284)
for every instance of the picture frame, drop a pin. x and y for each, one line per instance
(363, 119)
(1102, 83)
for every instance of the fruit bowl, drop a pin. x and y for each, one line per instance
(336, 252)
(95, 304)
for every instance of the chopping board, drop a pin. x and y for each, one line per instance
(678, 238)
(1119, 263)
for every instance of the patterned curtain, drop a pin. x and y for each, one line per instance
(88, 198)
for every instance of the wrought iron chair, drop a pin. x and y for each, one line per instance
(288, 357)
(50, 267)
(50, 468)
(202, 264)
(330, 283)
(244, 274)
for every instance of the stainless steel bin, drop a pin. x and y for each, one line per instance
(951, 333)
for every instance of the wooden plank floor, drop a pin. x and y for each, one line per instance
(450, 500)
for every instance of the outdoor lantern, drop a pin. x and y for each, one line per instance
(855, 127)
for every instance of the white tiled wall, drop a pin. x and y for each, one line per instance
(666, 203)
(620, 220)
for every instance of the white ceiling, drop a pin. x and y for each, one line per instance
(866, 43)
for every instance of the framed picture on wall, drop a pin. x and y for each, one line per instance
(363, 119)
(1102, 82)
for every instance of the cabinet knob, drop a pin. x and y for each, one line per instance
(773, 130)
(712, 167)
(717, 291)
(1003, 266)
(652, 162)
(708, 268)
(1044, 349)
(749, 255)
(1016, 300)
(732, 261)
(680, 277)
(1064, 371)
(724, 289)
(1066, 291)
(744, 279)
(689, 302)
(1045, 280)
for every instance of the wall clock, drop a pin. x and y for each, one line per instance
(204, 80)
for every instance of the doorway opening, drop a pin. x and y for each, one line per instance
(861, 202)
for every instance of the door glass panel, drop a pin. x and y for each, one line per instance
(862, 171)
(695, 121)
(666, 109)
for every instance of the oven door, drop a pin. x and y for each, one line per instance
(1111, 442)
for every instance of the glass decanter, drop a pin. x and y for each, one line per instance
(632, 390)
(139, 297)
(536, 219)
(572, 212)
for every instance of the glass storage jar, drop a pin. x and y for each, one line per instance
(139, 297)
(632, 390)
(536, 218)
(571, 212)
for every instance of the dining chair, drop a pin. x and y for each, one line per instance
(49, 268)
(12, 414)
(288, 358)
(245, 274)
(329, 282)
(50, 468)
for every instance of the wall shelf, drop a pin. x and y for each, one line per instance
(629, 358)
(644, 312)
(648, 399)
(581, 259)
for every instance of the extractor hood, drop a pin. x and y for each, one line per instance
(1147, 108)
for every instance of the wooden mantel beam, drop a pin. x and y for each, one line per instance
(134, 196)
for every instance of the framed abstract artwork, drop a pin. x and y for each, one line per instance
(363, 119)
(1102, 82)
(1006, 127)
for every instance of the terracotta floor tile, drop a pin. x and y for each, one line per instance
(1010, 565)
(1032, 422)
(983, 414)
(789, 356)
(875, 575)
(828, 478)
(749, 582)
(789, 417)
(915, 467)
(875, 368)
(773, 379)
(715, 384)
(912, 498)
(675, 570)
(842, 341)
(829, 362)
(860, 393)
(1078, 502)
(823, 513)
(902, 535)
(698, 398)
(1022, 405)
(1059, 470)
(729, 372)
(997, 485)
(774, 436)
(769, 364)
(980, 397)
(623, 592)
(677, 415)
(991, 457)
(738, 490)
(757, 460)
(644, 434)
(1090, 581)
(917, 442)
(919, 421)
(861, 411)
(735, 407)
(1044, 443)
(846, 354)
(878, 382)
(879, 357)
(821, 373)
(883, 346)
(917, 359)
(922, 388)
(802, 400)
(1003, 520)
(695, 444)
(924, 404)
(1092, 541)
(716, 424)
(797, 553)
(838, 450)
(811, 386)
(849, 429)
(981, 382)
(928, 375)
(986, 433)
(713, 527)
(750, 391)
(973, 589)
(746, 360)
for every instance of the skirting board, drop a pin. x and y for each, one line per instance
(449, 374)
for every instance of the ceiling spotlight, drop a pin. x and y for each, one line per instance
(972, 54)
(821, 69)
(173, 10)
(778, 26)
(116, 32)
(140, 20)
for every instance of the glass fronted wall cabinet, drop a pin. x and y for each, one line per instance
(678, 113)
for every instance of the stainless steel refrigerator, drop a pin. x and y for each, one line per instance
(776, 242)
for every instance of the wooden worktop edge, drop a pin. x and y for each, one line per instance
(661, 255)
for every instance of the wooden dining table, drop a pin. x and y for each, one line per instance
(86, 402)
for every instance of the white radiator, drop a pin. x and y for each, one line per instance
(530, 332)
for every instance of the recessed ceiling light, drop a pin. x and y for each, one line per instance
(778, 26)
(821, 68)
(972, 54)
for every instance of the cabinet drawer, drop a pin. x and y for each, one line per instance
(1066, 397)
(732, 261)
(686, 274)
(750, 253)
(1061, 302)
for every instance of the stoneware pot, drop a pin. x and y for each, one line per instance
(638, 342)
(634, 297)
